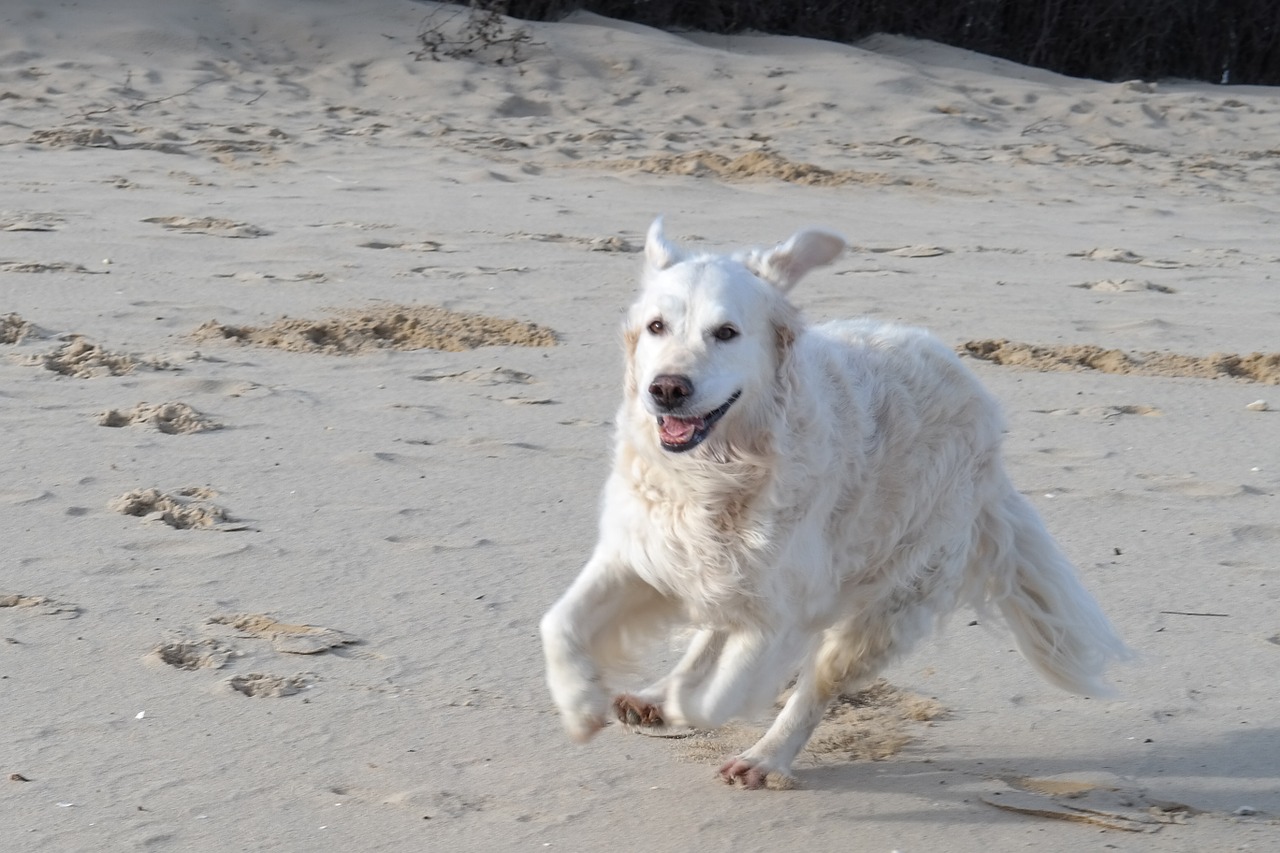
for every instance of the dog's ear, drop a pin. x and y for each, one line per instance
(658, 250)
(786, 328)
(786, 263)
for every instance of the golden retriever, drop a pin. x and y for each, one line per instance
(810, 500)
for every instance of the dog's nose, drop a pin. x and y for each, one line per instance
(670, 391)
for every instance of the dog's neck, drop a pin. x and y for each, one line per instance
(718, 483)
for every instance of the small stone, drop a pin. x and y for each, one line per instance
(1258, 406)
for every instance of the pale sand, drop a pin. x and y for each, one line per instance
(320, 633)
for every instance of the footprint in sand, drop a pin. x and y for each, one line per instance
(1105, 413)
(39, 605)
(235, 152)
(82, 359)
(120, 182)
(191, 179)
(202, 654)
(1123, 285)
(526, 401)
(479, 376)
(458, 273)
(264, 686)
(208, 225)
(285, 637)
(909, 251)
(1265, 535)
(261, 277)
(11, 220)
(592, 244)
(169, 418)
(72, 138)
(1194, 487)
(423, 246)
(437, 544)
(225, 387)
(48, 266)
(1124, 256)
(215, 652)
(189, 508)
(491, 377)
(14, 329)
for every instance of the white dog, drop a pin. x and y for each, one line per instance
(811, 500)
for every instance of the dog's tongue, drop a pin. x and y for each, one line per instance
(678, 430)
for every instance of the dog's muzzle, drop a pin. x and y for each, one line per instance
(679, 434)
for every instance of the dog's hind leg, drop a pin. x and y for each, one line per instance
(606, 612)
(851, 655)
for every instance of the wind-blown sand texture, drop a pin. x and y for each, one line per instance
(413, 453)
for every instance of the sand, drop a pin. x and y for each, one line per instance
(393, 276)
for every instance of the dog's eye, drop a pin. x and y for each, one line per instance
(657, 327)
(726, 333)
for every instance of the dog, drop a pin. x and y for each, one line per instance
(811, 501)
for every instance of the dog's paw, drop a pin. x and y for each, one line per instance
(582, 703)
(583, 727)
(634, 711)
(754, 774)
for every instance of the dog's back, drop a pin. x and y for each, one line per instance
(918, 442)
(929, 508)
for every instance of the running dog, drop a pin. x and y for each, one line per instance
(811, 501)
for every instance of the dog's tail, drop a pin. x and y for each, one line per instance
(1057, 624)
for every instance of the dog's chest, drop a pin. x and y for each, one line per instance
(710, 552)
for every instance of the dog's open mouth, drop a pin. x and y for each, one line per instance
(680, 434)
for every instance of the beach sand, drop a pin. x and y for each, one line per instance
(308, 360)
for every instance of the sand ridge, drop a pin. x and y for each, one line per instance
(400, 327)
(760, 164)
(1254, 367)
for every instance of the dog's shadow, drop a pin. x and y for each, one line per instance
(1182, 771)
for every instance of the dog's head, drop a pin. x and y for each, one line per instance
(708, 337)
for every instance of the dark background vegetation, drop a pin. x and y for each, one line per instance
(1222, 41)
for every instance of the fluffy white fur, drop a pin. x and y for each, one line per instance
(851, 496)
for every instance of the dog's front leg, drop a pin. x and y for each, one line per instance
(792, 729)
(584, 629)
(645, 707)
(850, 655)
(736, 673)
